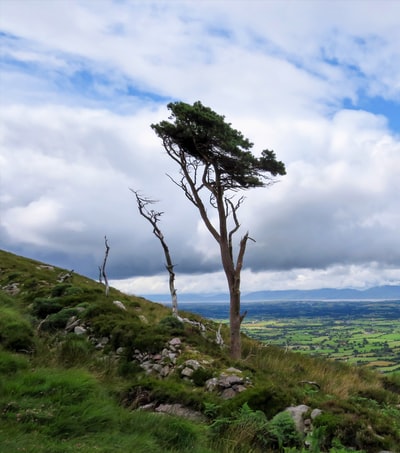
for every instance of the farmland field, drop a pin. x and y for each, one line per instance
(360, 332)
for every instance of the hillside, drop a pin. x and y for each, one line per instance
(80, 371)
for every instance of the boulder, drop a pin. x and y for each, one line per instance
(297, 414)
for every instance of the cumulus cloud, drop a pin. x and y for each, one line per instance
(83, 81)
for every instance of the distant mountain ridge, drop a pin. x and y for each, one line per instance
(387, 292)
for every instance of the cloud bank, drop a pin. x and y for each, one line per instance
(317, 82)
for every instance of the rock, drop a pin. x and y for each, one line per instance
(315, 413)
(143, 319)
(297, 413)
(165, 371)
(228, 393)
(120, 350)
(228, 381)
(239, 388)
(157, 368)
(72, 322)
(79, 330)
(211, 384)
(65, 276)
(194, 364)
(119, 304)
(187, 372)
(45, 266)
(180, 411)
(12, 289)
(175, 342)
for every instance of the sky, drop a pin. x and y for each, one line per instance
(318, 82)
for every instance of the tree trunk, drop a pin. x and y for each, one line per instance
(235, 321)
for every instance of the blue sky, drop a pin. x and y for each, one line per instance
(318, 82)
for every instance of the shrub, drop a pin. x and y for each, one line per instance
(282, 431)
(200, 376)
(171, 325)
(11, 363)
(45, 306)
(75, 350)
(16, 333)
(59, 290)
(58, 320)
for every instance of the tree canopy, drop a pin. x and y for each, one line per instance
(204, 135)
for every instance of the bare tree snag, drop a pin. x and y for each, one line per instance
(153, 217)
(103, 267)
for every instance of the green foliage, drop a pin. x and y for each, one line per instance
(171, 325)
(282, 432)
(201, 375)
(203, 135)
(58, 320)
(44, 306)
(74, 350)
(11, 363)
(245, 431)
(16, 333)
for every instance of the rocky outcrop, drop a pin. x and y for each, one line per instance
(304, 425)
(162, 363)
(12, 289)
(228, 384)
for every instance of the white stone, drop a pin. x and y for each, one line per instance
(79, 330)
(119, 304)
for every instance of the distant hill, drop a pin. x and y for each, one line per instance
(388, 292)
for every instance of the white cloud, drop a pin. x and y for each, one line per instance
(83, 81)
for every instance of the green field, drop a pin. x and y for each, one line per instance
(365, 340)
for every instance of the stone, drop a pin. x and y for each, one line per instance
(180, 411)
(176, 342)
(12, 289)
(79, 330)
(194, 364)
(211, 384)
(228, 381)
(45, 266)
(239, 388)
(119, 304)
(72, 322)
(315, 413)
(157, 368)
(143, 319)
(228, 393)
(165, 371)
(297, 413)
(172, 357)
(187, 372)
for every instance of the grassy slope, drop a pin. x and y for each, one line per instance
(58, 393)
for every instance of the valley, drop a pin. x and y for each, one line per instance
(359, 332)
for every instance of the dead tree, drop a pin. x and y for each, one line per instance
(153, 217)
(102, 269)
